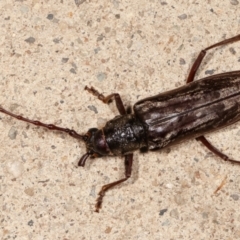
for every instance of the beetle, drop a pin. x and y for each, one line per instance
(186, 112)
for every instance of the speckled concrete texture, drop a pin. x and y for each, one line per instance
(49, 51)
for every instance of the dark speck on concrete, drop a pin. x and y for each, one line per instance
(89, 23)
(101, 76)
(183, 16)
(100, 38)
(93, 108)
(182, 61)
(107, 29)
(12, 134)
(74, 65)
(96, 50)
(232, 50)
(79, 2)
(235, 197)
(64, 60)
(30, 223)
(50, 16)
(205, 215)
(196, 159)
(210, 72)
(234, 2)
(72, 70)
(57, 40)
(30, 40)
(161, 213)
(24, 134)
(117, 16)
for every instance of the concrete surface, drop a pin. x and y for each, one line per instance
(49, 50)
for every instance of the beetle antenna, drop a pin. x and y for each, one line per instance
(71, 132)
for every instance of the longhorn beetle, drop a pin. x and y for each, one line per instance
(186, 112)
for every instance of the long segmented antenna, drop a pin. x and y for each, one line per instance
(71, 132)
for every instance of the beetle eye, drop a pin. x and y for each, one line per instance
(85, 137)
(91, 130)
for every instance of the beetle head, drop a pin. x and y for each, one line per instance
(96, 145)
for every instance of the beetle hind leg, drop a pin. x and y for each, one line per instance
(202, 54)
(190, 78)
(213, 149)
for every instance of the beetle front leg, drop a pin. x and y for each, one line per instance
(107, 99)
(128, 170)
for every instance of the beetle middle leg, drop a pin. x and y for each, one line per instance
(190, 78)
(128, 170)
(109, 98)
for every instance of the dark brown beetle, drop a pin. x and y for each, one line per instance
(167, 118)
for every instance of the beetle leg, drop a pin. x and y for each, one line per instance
(128, 170)
(202, 54)
(108, 99)
(190, 78)
(213, 149)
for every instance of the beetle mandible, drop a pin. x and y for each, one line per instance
(187, 112)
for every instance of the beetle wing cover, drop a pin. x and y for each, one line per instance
(191, 110)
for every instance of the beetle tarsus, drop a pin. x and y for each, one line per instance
(108, 99)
